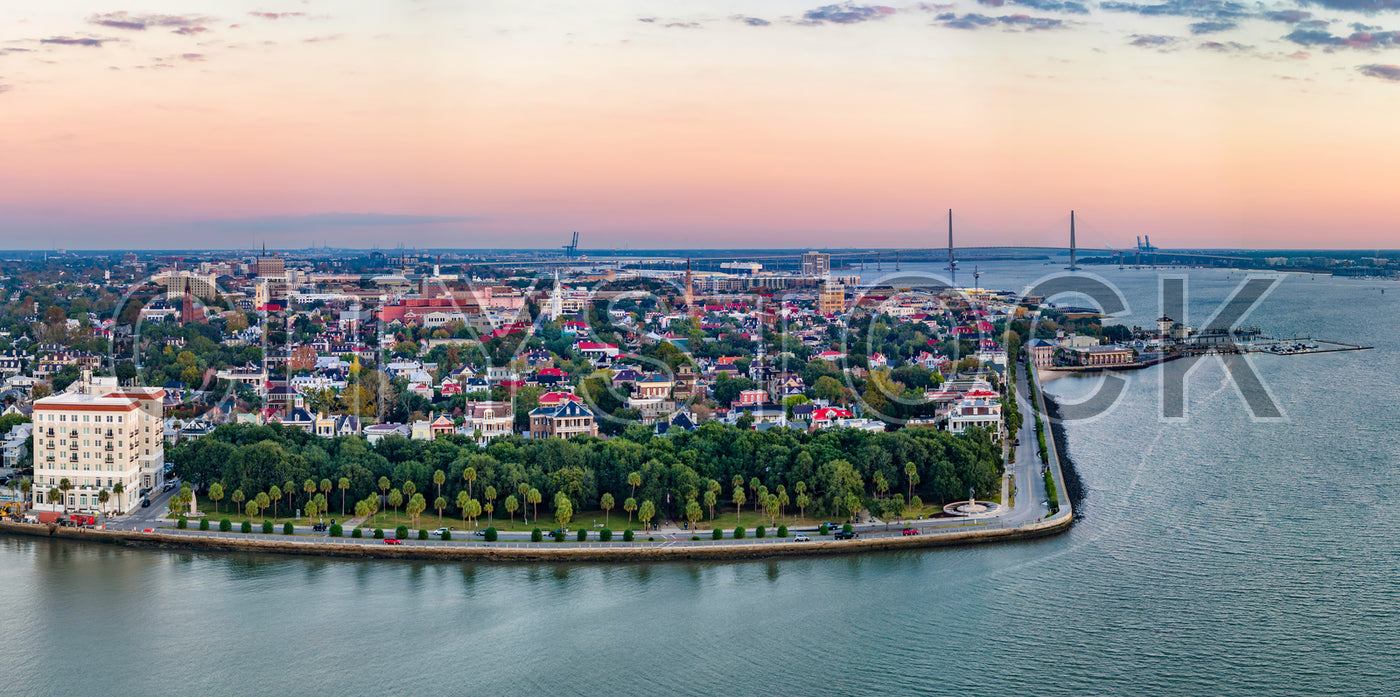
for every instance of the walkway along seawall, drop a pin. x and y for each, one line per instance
(508, 552)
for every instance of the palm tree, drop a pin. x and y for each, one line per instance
(383, 486)
(237, 499)
(361, 509)
(473, 510)
(693, 513)
(290, 489)
(326, 488)
(739, 500)
(912, 472)
(629, 505)
(263, 502)
(26, 485)
(635, 480)
(511, 506)
(710, 500)
(605, 503)
(216, 492)
(490, 507)
(275, 496)
(535, 498)
(309, 486)
(409, 489)
(416, 505)
(462, 499)
(119, 489)
(647, 511)
(469, 474)
(524, 490)
(102, 498)
(65, 486)
(395, 500)
(802, 505)
(344, 488)
(440, 503)
(54, 494)
(438, 479)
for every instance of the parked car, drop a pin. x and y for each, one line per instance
(145, 503)
(801, 538)
(320, 527)
(392, 541)
(557, 531)
(439, 532)
(911, 531)
(843, 535)
(480, 533)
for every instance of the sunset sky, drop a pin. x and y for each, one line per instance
(478, 123)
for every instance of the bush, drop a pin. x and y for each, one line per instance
(422, 534)
(717, 534)
(536, 535)
(491, 534)
(1052, 497)
(287, 528)
(267, 527)
(401, 532)
(739, 533)
(182, 523)
(336, 530)
(846, 527)
(378, 533)
(225, 525)
(760, 531)
(628, 535)
(446, 535)
(824, 529)
(782, 531)
(582, 535)
(559, 536)
(203, 523)
(694, 538)
(246, 527)
(605, 535)
(357, 533)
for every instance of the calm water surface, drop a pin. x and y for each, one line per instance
(1215, 556)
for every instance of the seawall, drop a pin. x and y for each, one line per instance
(517, 552)
(1074, 486)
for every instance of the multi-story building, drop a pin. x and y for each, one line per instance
(831, 299)
(489, 419)
(816, 264)
(978, 407)
(178, 282)
(96, 435)
(567, 420)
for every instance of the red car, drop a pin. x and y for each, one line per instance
(911, 531)
(392, 541)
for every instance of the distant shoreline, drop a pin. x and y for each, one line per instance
(520, 552)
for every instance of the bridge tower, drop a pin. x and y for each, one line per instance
(1072, 265)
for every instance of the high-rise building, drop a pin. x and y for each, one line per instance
(816, 264)
(831, 299)
(95, 435)
(272, 267)
(177, 283)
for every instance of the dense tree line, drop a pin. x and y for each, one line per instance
(834, 469)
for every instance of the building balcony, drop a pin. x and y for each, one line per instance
(73, 445)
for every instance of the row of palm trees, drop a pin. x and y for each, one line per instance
(317, 497)
(59, 492)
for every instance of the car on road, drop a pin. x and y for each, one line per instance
(843, 535)
(168, 486)
(801, 538)
(145, 503)
(439, 532)
(557, 531)
(480, 533)
(911, 531)
(392, 541)
(320, 527)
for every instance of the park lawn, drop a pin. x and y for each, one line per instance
(388, 520)
(726, 520)
(209, 510)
